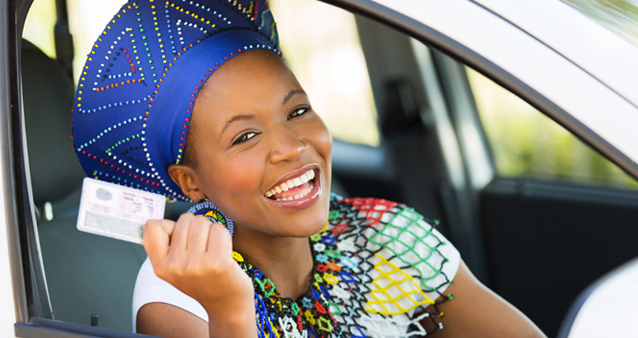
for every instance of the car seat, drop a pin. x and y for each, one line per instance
(86, 274)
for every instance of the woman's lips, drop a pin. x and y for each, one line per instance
(288, 181)
(293, 188)
(306, 194)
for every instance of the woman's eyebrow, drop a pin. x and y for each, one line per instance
(234, 119)
(291, 94)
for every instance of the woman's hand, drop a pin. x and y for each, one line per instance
(195, 255)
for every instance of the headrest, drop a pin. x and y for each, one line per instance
(47, 95)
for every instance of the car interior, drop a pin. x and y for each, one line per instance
(536, 241)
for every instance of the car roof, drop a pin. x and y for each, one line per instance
(590, 46)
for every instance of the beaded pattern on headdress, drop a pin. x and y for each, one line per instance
(377, 273)
(209, 210)
(138, 86)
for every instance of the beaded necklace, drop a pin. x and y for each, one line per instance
(353, 274)
(279, 316)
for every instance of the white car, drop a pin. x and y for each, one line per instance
(536, 242)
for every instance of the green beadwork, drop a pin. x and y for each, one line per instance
(384, 239)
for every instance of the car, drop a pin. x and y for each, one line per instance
(538, 240)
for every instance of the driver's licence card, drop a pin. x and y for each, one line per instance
(117, 211)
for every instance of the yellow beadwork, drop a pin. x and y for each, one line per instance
(393, 278)
(237, 256)
(330, 278)
(309, 317)
(271, 325)
(211, 213)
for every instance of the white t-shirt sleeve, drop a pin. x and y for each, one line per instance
(151, 289)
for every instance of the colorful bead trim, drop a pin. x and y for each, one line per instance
(209, 210)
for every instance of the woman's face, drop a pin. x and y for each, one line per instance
(262, 155)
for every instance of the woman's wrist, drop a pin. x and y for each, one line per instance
(232, 320)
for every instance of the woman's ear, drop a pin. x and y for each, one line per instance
(183, 176)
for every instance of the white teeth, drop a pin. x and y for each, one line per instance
(304, 178)
(295, 182)
(296, 197)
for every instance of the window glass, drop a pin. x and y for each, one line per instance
(524, 142)
(38, 28)
(86, 22)
(620, 17)
(321, 45)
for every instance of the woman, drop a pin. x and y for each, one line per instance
(193, 101)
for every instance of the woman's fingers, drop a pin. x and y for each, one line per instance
(198, 234)
(195, 256)
(157, 238)
(193, 243)
(179, 238)
(219, 241)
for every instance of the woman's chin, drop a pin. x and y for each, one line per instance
(305, 224)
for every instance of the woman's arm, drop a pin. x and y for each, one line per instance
(164, 320)
(477, 311)
(195, 256)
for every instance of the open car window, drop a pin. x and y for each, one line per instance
(527, 144)
(411, 124)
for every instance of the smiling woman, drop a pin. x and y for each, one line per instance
(216, 116)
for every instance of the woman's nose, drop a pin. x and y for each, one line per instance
(287, 146)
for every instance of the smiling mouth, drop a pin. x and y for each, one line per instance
(293, 189)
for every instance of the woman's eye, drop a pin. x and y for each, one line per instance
(245, 137)
(298, 112)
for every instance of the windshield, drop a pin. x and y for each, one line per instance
(618, 16)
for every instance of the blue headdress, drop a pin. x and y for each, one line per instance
(138, 86)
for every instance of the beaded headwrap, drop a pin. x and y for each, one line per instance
(140, 81)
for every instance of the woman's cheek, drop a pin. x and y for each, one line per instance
(244, 175)
(236, 176)
(322, 140)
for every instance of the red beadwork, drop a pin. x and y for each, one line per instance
(320, 308)
(339, 229)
